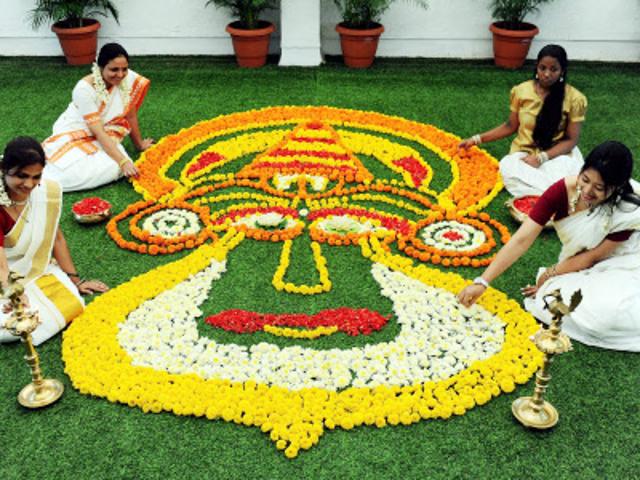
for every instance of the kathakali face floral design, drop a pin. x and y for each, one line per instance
(306, 302)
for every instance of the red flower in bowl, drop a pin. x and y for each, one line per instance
(91, 210)
(525, 204)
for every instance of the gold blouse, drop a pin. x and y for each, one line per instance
(526, 102)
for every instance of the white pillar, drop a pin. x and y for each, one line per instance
(300, 33)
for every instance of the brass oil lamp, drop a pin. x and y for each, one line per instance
(534, 411)
(21, 322)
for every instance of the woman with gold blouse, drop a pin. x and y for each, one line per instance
(547, 114)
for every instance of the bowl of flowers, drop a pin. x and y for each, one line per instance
(521, 207)
(91, 210)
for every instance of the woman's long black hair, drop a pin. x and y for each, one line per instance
(614, 162)
(551, 113)
(108, 52)
(20, 153)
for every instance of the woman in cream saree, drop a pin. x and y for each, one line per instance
(609, 314)
(597, 218)
(85, 149)
(28, 247)
(33, 246)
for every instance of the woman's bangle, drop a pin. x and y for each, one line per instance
(542, 157)
(123, 161)
(552, 271)
(76, 279)
(476, 139)
(481, 281)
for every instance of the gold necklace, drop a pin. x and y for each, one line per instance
(574, 200)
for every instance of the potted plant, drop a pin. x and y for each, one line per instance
(72, 22)
(512, 36)
(250, 35)
(360, 29)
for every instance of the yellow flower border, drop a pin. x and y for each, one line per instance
(295, 420)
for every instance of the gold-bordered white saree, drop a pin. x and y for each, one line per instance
(75, 159)
(29, 247)
(609, 315)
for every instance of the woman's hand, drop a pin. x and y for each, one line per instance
(7, 308)
(144, 144)
(546, 275)
(467, 143)
(532, 290)
(129, 169)
(87, 287)
(532, 160)
(470, 294)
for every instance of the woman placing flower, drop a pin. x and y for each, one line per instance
(85, 149)
(547, 115)
(30, 237)
(597, 218)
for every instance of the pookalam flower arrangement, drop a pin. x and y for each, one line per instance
(284, 181)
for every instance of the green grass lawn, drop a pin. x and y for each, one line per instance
(595, 391)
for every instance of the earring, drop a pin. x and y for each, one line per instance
(537, 76)
(562, 79)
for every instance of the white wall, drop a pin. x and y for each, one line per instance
(588, 29)
(178, 27)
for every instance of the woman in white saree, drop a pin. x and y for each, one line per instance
(85, 149)
(30, 240)
(597, 218)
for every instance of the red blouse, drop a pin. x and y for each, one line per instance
(555, 201)
(6, 224)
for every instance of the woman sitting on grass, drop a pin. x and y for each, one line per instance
(547, 115)
(85, 149)
(29, 237)
(597, 219)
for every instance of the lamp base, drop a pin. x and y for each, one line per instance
(47, 393)
(532, 416)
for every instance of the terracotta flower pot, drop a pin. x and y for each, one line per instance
(359, 46)
(251, 46)
(78, 44)
(510, 47)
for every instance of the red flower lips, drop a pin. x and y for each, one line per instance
(351, 321)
